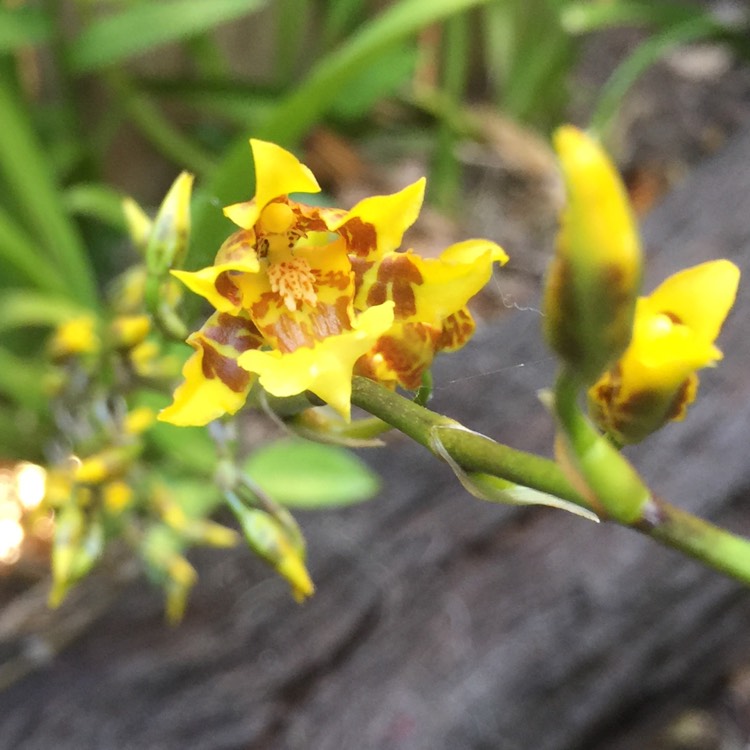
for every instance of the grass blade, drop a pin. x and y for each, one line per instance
(21, 27)
(145, 26)
(642, 58)
(20, 308)
(26, 170)
(20, 252)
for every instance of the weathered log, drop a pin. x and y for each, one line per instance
(441, 622)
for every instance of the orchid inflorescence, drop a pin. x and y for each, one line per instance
(305, 297)
(308, 300)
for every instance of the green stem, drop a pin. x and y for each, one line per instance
(614, 486)
(472, 451)
(711, 545)
(671, 526)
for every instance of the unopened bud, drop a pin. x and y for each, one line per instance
(593, 281)
(78, 544)
(268, 538)
(170, 233)
(138, 223)
(109, 463)
(128, 331)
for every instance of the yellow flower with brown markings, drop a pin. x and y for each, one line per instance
(673, 336)
(307, 296)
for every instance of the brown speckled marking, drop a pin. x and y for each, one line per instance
(360, 237)
(333, 279)
(330, 320)
(239, 333)
(216, 365)
(289, 333)
(227, 288)
(410, 354)
(308, 218)
(680, 401)
(236, 246)
(457, 330)
(264, 303)
(398, 273)
(360, 267)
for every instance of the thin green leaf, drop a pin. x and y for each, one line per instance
(539, 60)
(585, 17)
(21, 252)
(20, 308)
(96, 201)
(301, 474)
(445, 171)
(290, 36)
(27, 172)
(642, 58)
(340, 16)
(357, 97)
(243, 105)
(305, 106)
(22, 26)
(21, 380)
(145, 26)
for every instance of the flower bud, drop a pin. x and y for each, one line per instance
(138, 223)
(128, 331)
(168, 241)
(181, 577)
(269, 539)
(79, 543)
(107, 464)
(594, 277)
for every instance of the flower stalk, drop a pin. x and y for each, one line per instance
(671, 526)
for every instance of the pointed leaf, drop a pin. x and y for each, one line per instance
(301, 474)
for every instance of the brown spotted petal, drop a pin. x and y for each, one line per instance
(214, 383)
(429, 290)
(401, 356)
(376, 225)
(457, 330)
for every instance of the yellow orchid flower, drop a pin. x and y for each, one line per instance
(327, 294)
(673, 336)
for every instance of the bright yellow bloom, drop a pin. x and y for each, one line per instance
(117, 496)
(127, 331)
(675, 328)
(594, 277)
(138, 421)
(75, 336)
(324, 290)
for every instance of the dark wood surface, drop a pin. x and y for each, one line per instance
(440, 622)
